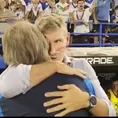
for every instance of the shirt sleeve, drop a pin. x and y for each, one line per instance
(100, 93)
(15, 80)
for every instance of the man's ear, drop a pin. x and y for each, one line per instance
(69, 40)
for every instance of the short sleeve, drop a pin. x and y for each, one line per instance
(15, 80)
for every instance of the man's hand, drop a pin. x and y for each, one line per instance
(71, 99)
(65, 69)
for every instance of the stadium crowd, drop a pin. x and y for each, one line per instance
(77, 13)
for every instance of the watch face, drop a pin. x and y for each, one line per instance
(93, 100)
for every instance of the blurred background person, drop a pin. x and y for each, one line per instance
(113, 94)
(73, 5)
(6, 14)
(48, 6)
(18, 7)
(102, 15)
(114, 17)
(81, 19)
(62, 8)
(33, 10)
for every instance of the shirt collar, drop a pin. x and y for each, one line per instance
(67, 60)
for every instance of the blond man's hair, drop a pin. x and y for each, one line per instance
(52, 22)
(24, 43)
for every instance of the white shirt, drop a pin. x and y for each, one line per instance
(18, 78)
(82, 16)
(15, 80)
(73, 7)
(63, 9)
(47, 10)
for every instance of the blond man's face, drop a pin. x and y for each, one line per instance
(58, 42)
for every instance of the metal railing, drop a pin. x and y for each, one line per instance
(100, 34)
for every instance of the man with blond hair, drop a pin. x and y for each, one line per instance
(15, 53)
(54, 29)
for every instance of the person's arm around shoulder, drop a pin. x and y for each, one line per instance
(42, 71)
(102, 99)
(20, 79)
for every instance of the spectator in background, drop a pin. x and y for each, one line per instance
(81, 17)
(33, 10)
(62, 8)
(113, 94)
(114, 17)
(18, 7)
(102, 15)
(72, 8)
(6, 14)
(73, 5)
(48, 6)
(114, 28)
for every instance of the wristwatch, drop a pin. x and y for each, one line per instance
(92, 101)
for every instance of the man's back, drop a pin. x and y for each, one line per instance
(33, 100)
